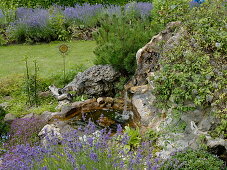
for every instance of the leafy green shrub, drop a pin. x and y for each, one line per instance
(134, 137)
(190, 159)
(4, 127)
(119, 86)
(195, 69)
(118, 40)
(58, 24)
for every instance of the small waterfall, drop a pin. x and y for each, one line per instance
(126, 113)
(125, 102)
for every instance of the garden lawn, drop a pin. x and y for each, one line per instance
(47, 56)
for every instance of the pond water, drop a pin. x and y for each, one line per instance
(102, 118)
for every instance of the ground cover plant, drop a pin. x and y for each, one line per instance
(195, 69)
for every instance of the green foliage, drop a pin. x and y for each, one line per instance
(118, 40)
(119, 86)
(80, 98)
(47, 3)
(194, 70)
(190, 159)
(16, 88)
(3, 41)
(165, 11)
(4, 127)
(21, 33)
(58, 24)
(58, 78)
(151, 135)
(31, 84)
(9, 85)
(221, 130)
(134, 137)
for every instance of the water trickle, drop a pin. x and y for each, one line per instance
(125, 102)
(126, 113)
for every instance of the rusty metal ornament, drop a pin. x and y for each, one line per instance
(63, 48)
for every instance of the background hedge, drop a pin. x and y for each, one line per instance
(47, 3)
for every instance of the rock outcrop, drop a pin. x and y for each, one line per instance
(148, 57)
(96, 81)
(198, 122)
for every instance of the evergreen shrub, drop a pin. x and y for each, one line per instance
(119, 38)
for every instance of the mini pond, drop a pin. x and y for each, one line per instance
(104, 118)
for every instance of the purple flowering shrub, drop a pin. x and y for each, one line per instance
(31, 25)
(25, 131)
(85, 14)
(44, 25)
(83, 148)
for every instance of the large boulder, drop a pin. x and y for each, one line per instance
(96, 81)
(148, 56)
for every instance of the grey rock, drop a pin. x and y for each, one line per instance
(143, 105)
(50, 133)
(30, 115)
(148, 56)
(215, 142)
(62, 103)
(47, 116)
(9, 117)
(192, 116)
(101, 100)
(67, 110)
(95, 81)
(207, 123)
(173, 142)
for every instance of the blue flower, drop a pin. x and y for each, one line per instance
(93, 156)
(199, 1)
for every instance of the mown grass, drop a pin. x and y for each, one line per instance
(47, 56)
(50, 64)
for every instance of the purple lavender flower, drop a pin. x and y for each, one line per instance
(142, 8)
(112, 10)
(82, 12)
(37, 18)
(93, 156)
(25, 131)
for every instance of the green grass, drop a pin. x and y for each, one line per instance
(48, 57)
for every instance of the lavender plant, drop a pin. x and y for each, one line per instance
(83, 148)
(82, 14)
(39, 24)
(143, 9)
(25, 131)
(31, 25)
